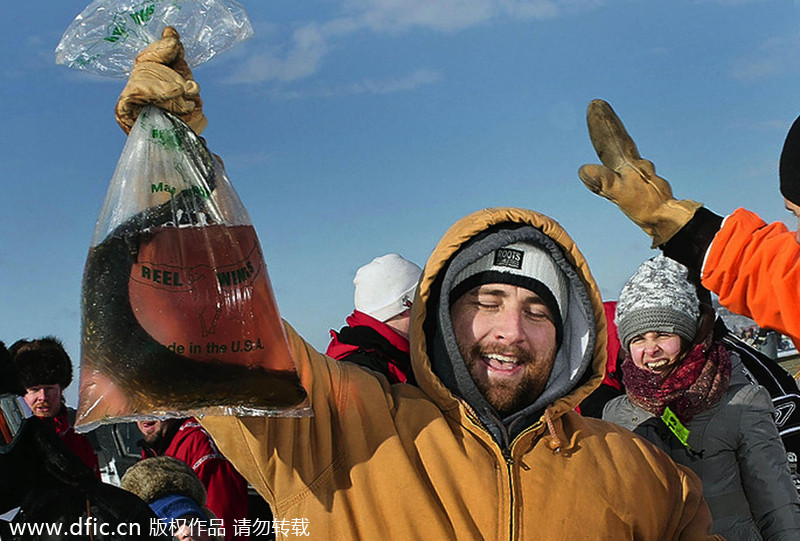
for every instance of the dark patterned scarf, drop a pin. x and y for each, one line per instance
(694, 385)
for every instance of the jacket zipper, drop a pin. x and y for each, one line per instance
(510, 462)
(509, 467)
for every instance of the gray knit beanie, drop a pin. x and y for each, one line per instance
(658, 297)
(520, 264)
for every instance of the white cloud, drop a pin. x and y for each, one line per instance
(777, 55)
(531, 10)
(453, 15)
(302, 54)
(298, 59)
(398, 15)
(417, 79)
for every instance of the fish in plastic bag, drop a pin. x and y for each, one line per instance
(178, 313)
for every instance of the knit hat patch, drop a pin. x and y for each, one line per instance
(658, 298)
(385, 286)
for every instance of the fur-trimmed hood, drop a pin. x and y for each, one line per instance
(154, 478)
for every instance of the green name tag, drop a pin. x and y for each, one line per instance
(675, 425)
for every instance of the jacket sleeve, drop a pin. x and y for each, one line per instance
(770, 492)
(285, 458)
(754, 267)
(690, 244)
(695, 518)
(227, 492)
(91, 459)
(226, 489)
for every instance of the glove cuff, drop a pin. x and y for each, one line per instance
(670, 217)
(690, 243)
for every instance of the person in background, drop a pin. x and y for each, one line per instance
(45, 370)
(753, 267)
(507, 336)
(187, 441)
(685, 392)
(42, 482)
(611, 386)
(175, 493)
(755, 367)
(376, 335)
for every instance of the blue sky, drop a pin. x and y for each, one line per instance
(356, 128)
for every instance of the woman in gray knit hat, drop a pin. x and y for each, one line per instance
(687, 394)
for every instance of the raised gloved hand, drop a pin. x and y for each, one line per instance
(629, 181)
(161, 77)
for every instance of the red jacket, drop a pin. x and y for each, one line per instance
(77, 443)
(371, 343)
(613, 376)
(227, 489)
(754, 267)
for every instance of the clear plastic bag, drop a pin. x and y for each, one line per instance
(178, 313)
(105, 37)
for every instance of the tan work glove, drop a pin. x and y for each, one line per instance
(161, 77)
(629, 181)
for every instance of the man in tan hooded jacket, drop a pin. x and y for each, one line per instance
(507, 337)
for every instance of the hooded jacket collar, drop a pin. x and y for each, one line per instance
(440, 370)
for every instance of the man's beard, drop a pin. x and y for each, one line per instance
(153, 439)
(506, 397)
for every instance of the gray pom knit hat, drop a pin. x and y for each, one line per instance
(658, 297)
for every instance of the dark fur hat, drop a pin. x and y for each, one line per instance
(9, 383)
(41, 362)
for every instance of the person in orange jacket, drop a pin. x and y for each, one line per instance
(753, 267)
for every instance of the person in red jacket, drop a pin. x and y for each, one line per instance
(376, 335)
(611, 386)
(45, 370)
(753, 267)
(187, 441)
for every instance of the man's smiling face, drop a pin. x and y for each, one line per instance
(44, 400)
(507, 338)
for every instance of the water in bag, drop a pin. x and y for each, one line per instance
(178, 313)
